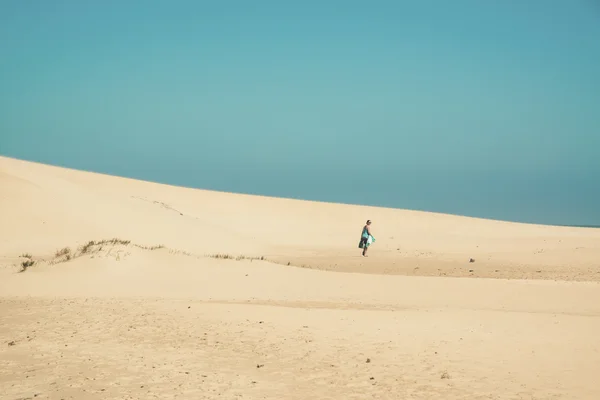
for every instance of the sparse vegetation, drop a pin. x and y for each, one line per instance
(26, 264)
(63, 255)
(93, 247)
(66, 254)
(87, 247)
(236, 258)
(114, 242)
(185, 253)
(222, 256)
(63, 252)
(158, 247)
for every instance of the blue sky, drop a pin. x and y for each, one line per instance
(483, 108)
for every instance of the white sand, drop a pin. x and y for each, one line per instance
(122, 321)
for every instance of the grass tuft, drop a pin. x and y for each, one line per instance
(220, 256)
(88, 246)
(115, 241)
(158, 247)
(63, 252)
(26, 264)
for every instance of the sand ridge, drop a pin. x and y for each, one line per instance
(49, 208)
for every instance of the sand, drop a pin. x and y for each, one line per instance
(208, 295)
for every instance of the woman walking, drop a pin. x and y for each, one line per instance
(366, 238)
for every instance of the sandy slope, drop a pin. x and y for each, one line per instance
(133, 321)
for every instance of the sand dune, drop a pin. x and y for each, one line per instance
(217, 295)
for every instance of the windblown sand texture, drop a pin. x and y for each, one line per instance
(113, 288)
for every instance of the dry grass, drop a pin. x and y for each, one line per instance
(26, 264)
(114, 241)
(62, 252)
(158, 247)
(65, 254)
(87, 247)
(236, 258)
(93, 246)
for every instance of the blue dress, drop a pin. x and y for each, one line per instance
(364, 239)
(365, 233)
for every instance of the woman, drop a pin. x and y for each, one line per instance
(366, 238)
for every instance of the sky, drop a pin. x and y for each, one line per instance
(483, 108)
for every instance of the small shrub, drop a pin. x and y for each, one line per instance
(26, 264)
(222, 256)
(118, 241)
(88, 246)
(63, 252)
(27, 255)
(113, 242)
